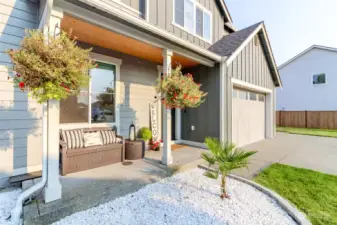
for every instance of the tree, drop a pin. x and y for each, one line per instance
(226, 157)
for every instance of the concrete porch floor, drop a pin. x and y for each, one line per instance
(87, 189)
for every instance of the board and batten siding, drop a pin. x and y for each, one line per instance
(20, 117)
(251, 65)
(205, 118)
(137, 88)
(161, 15)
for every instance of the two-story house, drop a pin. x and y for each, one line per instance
(314, 69)
(134, 42)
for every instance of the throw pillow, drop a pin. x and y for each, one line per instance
(92, 139)
(108, 137)
(73, 138)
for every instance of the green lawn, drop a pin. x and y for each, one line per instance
(308, 131)
(313, 193)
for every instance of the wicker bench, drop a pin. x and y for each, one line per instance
(85, 158)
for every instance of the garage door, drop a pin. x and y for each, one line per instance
(248, 117)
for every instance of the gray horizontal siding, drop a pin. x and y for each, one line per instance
(206, 117)
(161, 15)
(23, 5)
(137, 80)
(251, 66)
(20, 117)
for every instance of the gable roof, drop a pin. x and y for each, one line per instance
(305, 51)
(231, 45)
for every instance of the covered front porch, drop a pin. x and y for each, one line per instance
(129, 63)
(87, 189)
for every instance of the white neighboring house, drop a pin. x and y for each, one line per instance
(309, 81)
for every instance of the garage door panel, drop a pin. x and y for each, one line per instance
(248, 120)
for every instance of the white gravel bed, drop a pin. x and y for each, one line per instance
(7, 203)
(188, 199)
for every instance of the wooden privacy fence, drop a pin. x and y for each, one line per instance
(307, 119)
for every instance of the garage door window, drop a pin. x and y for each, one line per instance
(252, 96)
(243, 94)
(261, 97)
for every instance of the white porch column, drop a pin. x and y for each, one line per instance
(167, 154)
(53, 190)
(178, 124)
(160, 108)
(223, 83)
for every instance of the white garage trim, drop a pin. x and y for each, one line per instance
(249, 86)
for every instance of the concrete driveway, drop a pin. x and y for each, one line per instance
(316, 153)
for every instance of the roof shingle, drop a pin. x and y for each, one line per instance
(229, 43)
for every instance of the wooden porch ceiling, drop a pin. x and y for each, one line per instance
(98, 36)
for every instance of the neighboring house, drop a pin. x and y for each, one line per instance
(134, 42)
(309, 81)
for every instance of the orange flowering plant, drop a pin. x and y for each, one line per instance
(180, 91)
(50, 67)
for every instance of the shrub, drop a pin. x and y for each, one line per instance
(180, 91)
(145, 133)
(50, 67)
(226, 157)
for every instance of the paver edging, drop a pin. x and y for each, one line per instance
(298, 216)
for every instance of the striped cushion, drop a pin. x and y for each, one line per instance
(73, 138)
(108, 137)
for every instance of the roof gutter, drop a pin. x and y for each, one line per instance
(101, 5)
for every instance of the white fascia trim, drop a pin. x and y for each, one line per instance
(27, 169)
(249, 86)
(271, 55)
(304, 52)
(106, 59)
(226, 11)
(243, 45)
(145, 25)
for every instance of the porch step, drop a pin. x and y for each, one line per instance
(23, 177)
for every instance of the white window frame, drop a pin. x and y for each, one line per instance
(204, 10)
(117, 63)
(312, 78)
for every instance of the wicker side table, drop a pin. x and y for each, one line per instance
(133, 150)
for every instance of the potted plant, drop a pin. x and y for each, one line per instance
(225, 157)
(145, 134)
(155, 145)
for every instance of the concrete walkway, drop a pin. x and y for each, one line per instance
(90, 188)
(311, 152)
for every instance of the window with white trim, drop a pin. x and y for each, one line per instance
(319, 78)
(193, 17)
(95, 104)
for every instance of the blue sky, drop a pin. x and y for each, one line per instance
(292, 25)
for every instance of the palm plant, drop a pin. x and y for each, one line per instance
(225, 157)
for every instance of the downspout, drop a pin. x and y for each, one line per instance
(17, 211)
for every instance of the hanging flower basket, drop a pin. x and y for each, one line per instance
(180, 91)
(50, 67)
